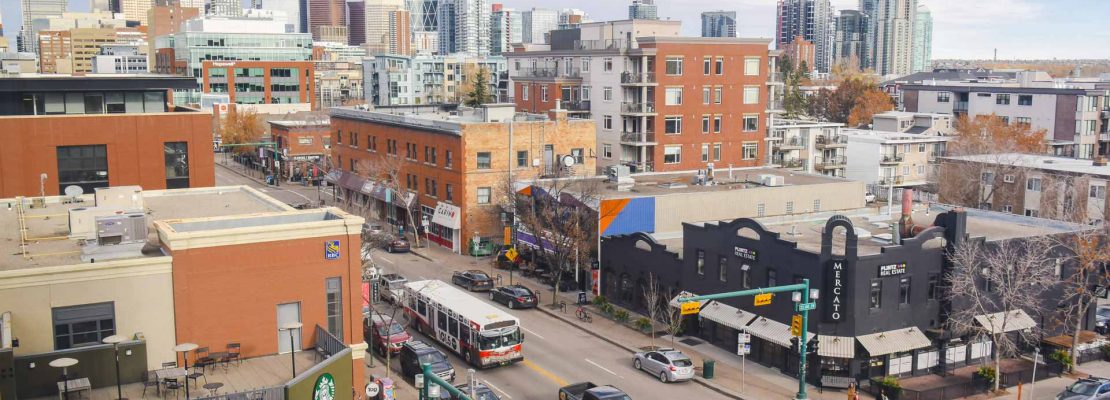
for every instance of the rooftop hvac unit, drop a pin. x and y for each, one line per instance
(82, 221)
(771, 180)
(117, 236)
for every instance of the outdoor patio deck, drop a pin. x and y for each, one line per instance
(254, 373)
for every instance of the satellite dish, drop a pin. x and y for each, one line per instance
(74, 191)
(568, 161)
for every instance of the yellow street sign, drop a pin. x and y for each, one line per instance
(763, 299)
(796, 325)
(511, 254)
(691, 307)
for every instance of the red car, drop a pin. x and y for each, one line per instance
(379, 330)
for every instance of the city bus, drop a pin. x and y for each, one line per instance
(483, 335)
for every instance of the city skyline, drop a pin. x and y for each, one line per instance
(958, 31)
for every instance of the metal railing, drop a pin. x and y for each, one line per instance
(891, 180)
(793, 142)
(775, 105)
(328, 343)
(581, 105)
(603, 44)
(643, 108)
(774, 77)
(960, 106)
(636, 77)
(893, 158)
(1104, 136)
(831, 140)
(794, 163)
(268, 393)
(552, 72)
(638, 137)
(822, 162)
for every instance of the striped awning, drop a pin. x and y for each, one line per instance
(896, 341)
(1009, 321)
(773, 331)
(676, 304)
(726, 315)
(836, 346)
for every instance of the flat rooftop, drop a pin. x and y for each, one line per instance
(301, 124)
(662, 184)
(32, 82)
(867, 135)
(441, 118)
(1042, 162)
(48, 227)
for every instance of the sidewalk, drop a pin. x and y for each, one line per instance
(760, 382)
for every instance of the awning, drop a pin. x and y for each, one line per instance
(1064, 341)
(351, 181)
(404, 200)
(836, 346)
(773, 331)
(896, 341)
(726, 315)
(332, 176)
(1015, 320)
(677, 304)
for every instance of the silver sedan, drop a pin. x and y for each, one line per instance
(669, 365)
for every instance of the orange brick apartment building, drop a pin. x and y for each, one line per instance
(96, 131)
(304, 146)
(261, 82)
(661, 102)
(455, 163)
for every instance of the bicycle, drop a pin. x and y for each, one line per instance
(583, 314)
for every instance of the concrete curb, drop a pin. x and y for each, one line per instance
(699, 380)
(418, 254)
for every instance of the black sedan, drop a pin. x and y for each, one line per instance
(481, 392)
(514, 296)
(473, 280)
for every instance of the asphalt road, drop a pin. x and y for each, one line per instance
(556, 354)
(231, 174)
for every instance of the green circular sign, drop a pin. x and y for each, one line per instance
(325, 387)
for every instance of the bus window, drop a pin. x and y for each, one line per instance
(454, 328)
(422, 308)
(441, 320)
(465, 334)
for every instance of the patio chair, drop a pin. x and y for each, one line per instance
(202, 360)
(150, 379)
(195, 376)
(174, 385)
(233, 353)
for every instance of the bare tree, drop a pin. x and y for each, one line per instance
(1088, 253)
(654, 301)
(386, 171)
(999, 151)
(671, 317)
(996, 279)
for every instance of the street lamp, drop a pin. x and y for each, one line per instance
(115, 340)
(290, 327)
(184, 349)
(64, 363)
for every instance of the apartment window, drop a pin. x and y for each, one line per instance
(1098, 192)
(177, 164)
(1031, 213)
(674, 65)
(434, 161)
(608, 64)
(585, 65)
(905, 170)
(944, 97)
(718, 94)
(717, 124)
(579, 155)
(751, 66)
(1033, 184)
(484, 160)
(816, 205)
(749, 150)
(921, 148)
(83, 325)
(701, 262)
(751, 95)
(719, 66)
(448, 158)
(790, 207)
(1002, 99)
(607, 122)
(1008, 178)
(427, 154)
(352, 164)
(607, 93)
(760, 210)
(371, 143)
(1023, 121)
(704, 152)
(707, 63)
(543, 93)
(716, 152)
(339, 137)
(585, 93)
(1025, 100)
(672, 125)
(705, 124)
(751, 123)
(524, 91)
(934, 286)
(84, 166)
(334, 297)
(483, 195)
(722, 269)
(705, 90)
(904, 291)
(920, 170)
(876, 294)
(988, 178)
(672, 154)
(607, 150)
(674, 96)
(772, 278)
(522, 158)
(1008, 208)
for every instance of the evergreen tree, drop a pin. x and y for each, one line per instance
(480, 93)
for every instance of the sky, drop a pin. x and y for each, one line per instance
(962, 29)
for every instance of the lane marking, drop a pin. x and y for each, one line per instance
(503, 394)
(554, 378)
(385, 259)
(532, 333)
(603, 368)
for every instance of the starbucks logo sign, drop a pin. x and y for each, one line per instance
(325, 388)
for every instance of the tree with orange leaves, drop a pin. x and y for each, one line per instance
(989, 134)
(869, 102)
(242, 127)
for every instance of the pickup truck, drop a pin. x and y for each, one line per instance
(590, 391)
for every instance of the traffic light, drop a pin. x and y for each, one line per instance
(796, 325)
(794, 344)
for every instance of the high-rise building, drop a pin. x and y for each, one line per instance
(570, 18)
(506, 28)
(323, 13)
(400, 32)
(923, 40)
(850, 44)
(643, 9)
(424, 15)
(356, 16)
(136, 10)
(252, 37)
(294, 13)
(222, 8)
(104, 5)
(813, 21)
(424, 42)
(165, 19)
(537, 24)
(464, 27)
(718, 24)
(378, 25)
(894, 25)
(72, 51)
(32, 10)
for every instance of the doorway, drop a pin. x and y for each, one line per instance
(286, 313)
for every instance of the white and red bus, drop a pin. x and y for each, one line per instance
(484, 335)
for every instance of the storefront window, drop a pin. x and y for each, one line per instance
(177, 164)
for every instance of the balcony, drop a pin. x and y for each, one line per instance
(635, 78)
(831, 141)
(639, 166)
(638, 138)
(892, 158)
(573, 73)
(775, 106)
(775, 78)
(794, 163)
(825, 163)
(581, 105)
(638, 108)
(792, 143)
(1104, 137)
(960, 106)
(891, 180)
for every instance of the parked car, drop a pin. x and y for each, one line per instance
(372, 228)
(514, 296)
(1087, 389)
(382, 333)
(669, 365)
(392, 287)
(415, 352)
(1102, 320)
(473, 280)
(398, 245)
(481, 392)
(590, 391)
(869, 197)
